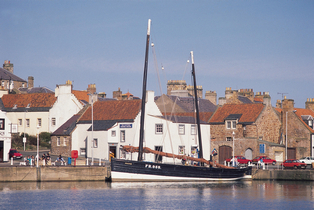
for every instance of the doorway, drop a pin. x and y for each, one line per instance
(248, 154)
(113, 150)
(224, 153)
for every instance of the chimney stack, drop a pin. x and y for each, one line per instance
(30, 82)
(8, 66)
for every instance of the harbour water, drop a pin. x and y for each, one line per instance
(105, 195)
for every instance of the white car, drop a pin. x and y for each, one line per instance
(307, 160)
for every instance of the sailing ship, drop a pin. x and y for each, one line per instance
(130, 170)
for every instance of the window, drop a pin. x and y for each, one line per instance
(158, 129)
(20, 122)
(231, 124)
(2, 83)
(82, 151)
(229, 138)
(39, 122)
(122, 153)
(113, 133)
(310, 123)
(181, 129)
(181, 150)
(27, 122)
(58, 141)
(53, 121)
(122, 136)
(95, 143)
(262, 148)
(1, 124)
(193, 130)
(64, 141)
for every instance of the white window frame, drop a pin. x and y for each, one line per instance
(113, 133)
(193, 130)
(64, 141)
(58, 141)
(122, 135)
(231, 124)
(95, 143)
(181, 129)
(53, 121)
(159, 128)
(39, 122)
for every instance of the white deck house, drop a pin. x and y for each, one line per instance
(118, 124)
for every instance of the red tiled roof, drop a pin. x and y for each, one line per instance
(249, 112)
(81, 95)
(299, 112)
(34, 99)
(113, 110)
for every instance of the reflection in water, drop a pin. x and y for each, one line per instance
(157, 195)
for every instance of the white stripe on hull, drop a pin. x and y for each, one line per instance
(128, 177)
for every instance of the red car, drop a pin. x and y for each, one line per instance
(264, 159)
(240, 159)
(291, 163)
(15, 154)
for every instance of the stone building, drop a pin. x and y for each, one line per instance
(8, 80)
(297, 128)
(253, 129)
(178, 87)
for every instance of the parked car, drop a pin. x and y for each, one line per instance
(240, 159)
(307, 160)
(15, 154)
(265, 160)
(291, 163)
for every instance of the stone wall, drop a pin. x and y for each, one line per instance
(64, 150)
(53, 173)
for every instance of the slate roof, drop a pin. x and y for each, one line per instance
(36, 90)
(105, 125)
(6, 75)
(37, 102)
(245, 100)
(67, 127)
(188, 117)
(249, 113)
(187, 103)
(113, 110)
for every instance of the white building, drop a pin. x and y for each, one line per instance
(5, 136)
(117, 123)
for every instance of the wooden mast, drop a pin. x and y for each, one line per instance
(140, 153)
(197, 110)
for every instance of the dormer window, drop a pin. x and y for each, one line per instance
(310, 123)
(231, 124)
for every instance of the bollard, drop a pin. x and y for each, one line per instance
(87, 161)
(44, 162)
(263, 164)
(225, 163)
(11, 161)
(99, 162)
(228, 163)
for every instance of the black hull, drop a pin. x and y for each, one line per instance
(127, 170)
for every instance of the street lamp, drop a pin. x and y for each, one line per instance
(37, 157)
(233, 162)
(92, 145)
(24, 138)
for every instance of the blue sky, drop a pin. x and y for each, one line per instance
(267, 46)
